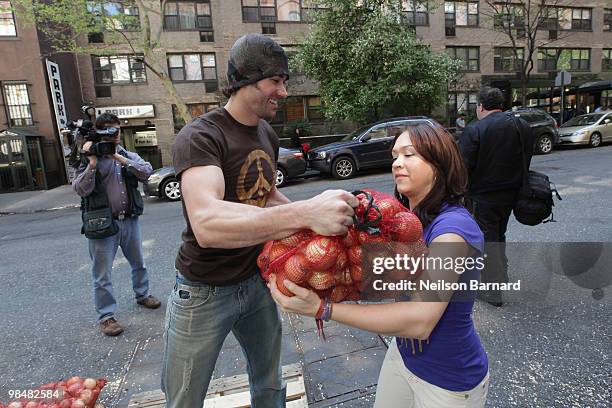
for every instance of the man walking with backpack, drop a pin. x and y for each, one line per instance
(493, 154)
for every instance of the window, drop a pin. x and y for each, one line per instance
(415, 12)
(532, 117)
(207, 36)
(258, 10)
(7, 20)
(17, 103)
(195, 109)
(461, 102)
(187, 15)
(469, 57)
(581, 19)
(505, 60)
(607, 20)
(310, 11)
(119, 69)
(314, 111)
(268, 28)
(566, 18)
(288, 10)
(194, 67)
(255, 11)
(510, 16)
(461, 13)
(556, 59)
(606, 62)
(116, 15)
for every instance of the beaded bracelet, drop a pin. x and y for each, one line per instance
(327, 311)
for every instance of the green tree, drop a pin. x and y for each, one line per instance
(126, 26)
(369, 63)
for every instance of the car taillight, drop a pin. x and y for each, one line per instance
(298, 155)
(556, 125)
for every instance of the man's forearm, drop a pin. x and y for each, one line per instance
(225, 224)
(136, 165)
(85, 182)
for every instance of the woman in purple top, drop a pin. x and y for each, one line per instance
(437, 359)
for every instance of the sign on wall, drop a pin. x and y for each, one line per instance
(145, 138)
(128, 112)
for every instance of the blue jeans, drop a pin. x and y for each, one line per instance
(198, 319)
(102, 253)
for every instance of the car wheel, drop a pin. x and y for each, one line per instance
(170, 190)
(343, 168)
(544, 145)
(281, 177)
(595, 140)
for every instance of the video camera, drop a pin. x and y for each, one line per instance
(81, 131)
(99, 147)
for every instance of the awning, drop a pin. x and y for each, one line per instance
(595, 86)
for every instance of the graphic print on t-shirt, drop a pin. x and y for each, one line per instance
(257, 192)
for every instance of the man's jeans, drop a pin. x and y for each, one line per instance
(198, 319)
(102, 253)
(493, 220)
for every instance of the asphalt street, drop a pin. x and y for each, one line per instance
(542, 354)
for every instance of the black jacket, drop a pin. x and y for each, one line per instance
(491, 149)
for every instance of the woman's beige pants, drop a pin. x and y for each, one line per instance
(398, 387)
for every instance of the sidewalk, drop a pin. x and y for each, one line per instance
(24, 202)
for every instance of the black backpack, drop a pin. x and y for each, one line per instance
(535, 199)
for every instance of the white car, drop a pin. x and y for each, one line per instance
(591, 129)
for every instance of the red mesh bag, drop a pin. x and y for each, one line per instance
(75, 392)
(331, 266)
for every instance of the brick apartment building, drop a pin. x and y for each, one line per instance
(197, 35)
(577, 37)
(31, 156)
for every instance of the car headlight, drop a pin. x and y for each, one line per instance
(580, 133)
(155, 177)
(321, 155)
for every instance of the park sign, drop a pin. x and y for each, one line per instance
(57, 95)
(128, 112)
(59, 107)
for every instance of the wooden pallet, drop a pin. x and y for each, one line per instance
(232, 392)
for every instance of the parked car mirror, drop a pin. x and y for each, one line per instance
(607, 121)
(365, 138)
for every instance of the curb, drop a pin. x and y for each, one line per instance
(40, 211)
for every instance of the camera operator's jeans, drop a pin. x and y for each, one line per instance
(102, 253)
(198, 319)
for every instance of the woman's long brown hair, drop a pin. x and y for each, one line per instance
(439, 149)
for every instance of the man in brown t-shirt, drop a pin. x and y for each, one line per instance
(226, 162)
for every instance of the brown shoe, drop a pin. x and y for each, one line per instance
(111, 327)
(150, 302)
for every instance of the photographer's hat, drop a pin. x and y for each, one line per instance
(255, 57)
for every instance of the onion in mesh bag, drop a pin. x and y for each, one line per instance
(295, 269)
(321, 253)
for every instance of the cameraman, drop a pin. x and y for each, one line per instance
(116, 176)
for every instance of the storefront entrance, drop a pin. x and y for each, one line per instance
(142, 140)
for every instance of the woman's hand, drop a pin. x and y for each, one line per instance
(305, 302)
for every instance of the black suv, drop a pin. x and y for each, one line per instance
(544, 126)
(367, 147)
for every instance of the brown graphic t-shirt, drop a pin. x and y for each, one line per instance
(247, 156)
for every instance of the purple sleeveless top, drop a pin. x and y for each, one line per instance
(454, 358)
